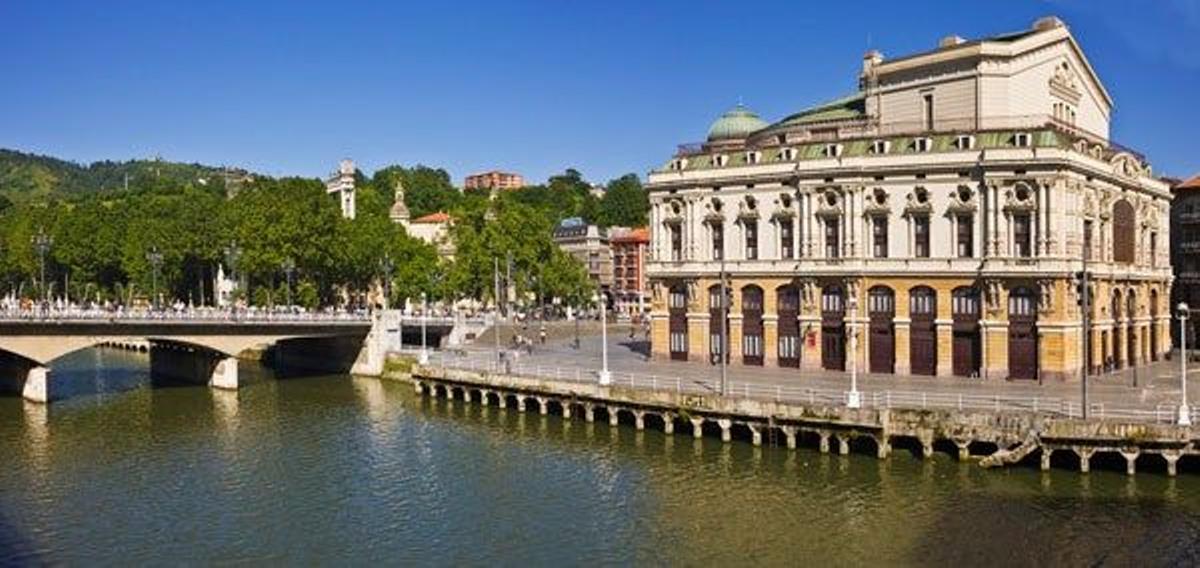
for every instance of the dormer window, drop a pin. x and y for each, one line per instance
(788, 154)
(1022, 140)
(679, 163)
(719, 160)
(880, 147)
(781, 139)
(832, 150)
(923, 144)
(964, 142)
(753, 157)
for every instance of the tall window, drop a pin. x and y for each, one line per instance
(1153, 249)
(1087, 240)
(879, 236)
(832, 239)
(1124, 229)
(966, 236)
(786, 238)
(751, 226)
(676, 242)
(718, 240)
(928, 102)
(921, 236)
(1022, 235)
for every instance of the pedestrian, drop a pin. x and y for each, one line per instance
(542, 334)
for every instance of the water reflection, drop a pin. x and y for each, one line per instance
(334, 469)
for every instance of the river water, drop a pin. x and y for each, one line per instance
(343, 470)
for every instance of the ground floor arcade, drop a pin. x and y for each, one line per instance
(996, 328)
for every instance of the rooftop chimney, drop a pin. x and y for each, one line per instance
(871, 59)
(1047, 23)
(950, 41)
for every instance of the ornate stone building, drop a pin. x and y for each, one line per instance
(341, 182)
(932, 223)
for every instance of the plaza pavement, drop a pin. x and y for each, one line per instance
(1157, 385)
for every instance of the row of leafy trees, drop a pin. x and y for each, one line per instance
(273, 228)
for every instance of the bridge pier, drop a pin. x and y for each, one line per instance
(192, 365)
(37, 387)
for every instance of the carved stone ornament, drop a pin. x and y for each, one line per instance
(656, 290)
(829, 203)
(963, 200)
(1125, 164)
(1064, 84)
(993, 295)
(785, 206)
(713, 211)
(673, 211)
(748, 208)
(808, 293)
(877, 203)
(1046, 295)
(918, 202)
(1020, 197)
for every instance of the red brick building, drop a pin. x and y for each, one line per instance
(629, 269)
(494, 180)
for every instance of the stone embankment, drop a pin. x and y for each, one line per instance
(998, 438)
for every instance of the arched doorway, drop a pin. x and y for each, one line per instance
(1154, 325)
(966, 342)
(922, 350)
(677, 322)
(717, 334)
(788, 302)
(1132, 353)
(1022, 334)
(881, 307)
(833, 328)
(1118, 361)
(752, 325)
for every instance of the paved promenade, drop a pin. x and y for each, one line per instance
(1149, 393)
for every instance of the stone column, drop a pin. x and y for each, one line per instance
(225, 374)
(37, 385)
(945, 347)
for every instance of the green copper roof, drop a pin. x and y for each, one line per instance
(735, 124)
(853, 106)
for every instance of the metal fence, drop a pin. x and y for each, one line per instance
(879, 399)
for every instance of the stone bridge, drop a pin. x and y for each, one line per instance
(191, 349)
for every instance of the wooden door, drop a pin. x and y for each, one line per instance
(752, 326)
(788, 350)
(677, 323)
(922, 353)
(833, 347)
(833, 329)
(1022, 335)
(881, 305)
(966, 342)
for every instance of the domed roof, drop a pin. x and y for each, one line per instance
(735, 124)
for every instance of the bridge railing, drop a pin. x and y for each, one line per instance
(880, 399)
(198, 315)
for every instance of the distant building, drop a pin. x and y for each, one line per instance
(630, 292)
(589, 245)
(1185, 247)
(434, 229)
(597, 191)
(494, 180)
(341, 182)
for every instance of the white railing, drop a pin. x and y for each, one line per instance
(184, 315)
(879, 399)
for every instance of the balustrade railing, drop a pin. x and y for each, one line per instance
(878, 399)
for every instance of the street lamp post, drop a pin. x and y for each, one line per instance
(423, 358)
(387, 266)
(605, 376)
(155, 258)
(289, 268)
(854, 400)
(722, 351)
(233, 253)
(1185, 414)
(42, 243)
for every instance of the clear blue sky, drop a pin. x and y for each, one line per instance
(606, 87)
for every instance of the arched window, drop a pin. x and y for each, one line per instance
(832, 300)
(881, 301)
(1124, 231)
(922, 301)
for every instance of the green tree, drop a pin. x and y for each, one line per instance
(625, 203)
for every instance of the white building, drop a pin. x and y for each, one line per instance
(341, 182)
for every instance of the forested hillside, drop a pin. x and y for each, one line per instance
(29, 175)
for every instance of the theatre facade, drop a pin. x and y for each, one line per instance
(936, 222)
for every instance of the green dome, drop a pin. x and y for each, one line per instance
(735, 124)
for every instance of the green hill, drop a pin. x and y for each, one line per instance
(24, 176)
